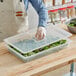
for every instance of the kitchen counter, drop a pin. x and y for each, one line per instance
(12, 66)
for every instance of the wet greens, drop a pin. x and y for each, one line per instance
(60, 42)
(72, 23)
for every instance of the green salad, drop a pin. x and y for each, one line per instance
(60, 42)
(72, 23)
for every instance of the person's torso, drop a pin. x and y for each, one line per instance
(9, 22)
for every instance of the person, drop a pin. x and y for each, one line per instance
(9, 28)
(41, 10)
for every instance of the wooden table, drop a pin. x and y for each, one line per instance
(12, 66)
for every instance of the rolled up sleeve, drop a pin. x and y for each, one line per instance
(41, 10)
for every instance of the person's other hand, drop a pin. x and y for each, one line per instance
(41, 33)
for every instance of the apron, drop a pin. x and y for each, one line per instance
(21, 16)
(13, 18)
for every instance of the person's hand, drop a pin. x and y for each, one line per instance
(41, 33)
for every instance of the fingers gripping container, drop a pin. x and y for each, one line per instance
(25, 46)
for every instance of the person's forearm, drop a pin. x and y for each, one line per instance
(43, 16)
(41, 10)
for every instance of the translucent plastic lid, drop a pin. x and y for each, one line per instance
(26, 42)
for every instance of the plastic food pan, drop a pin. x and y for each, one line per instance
(26, 42)
(38, 55)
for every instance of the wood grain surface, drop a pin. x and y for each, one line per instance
(12, 66)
